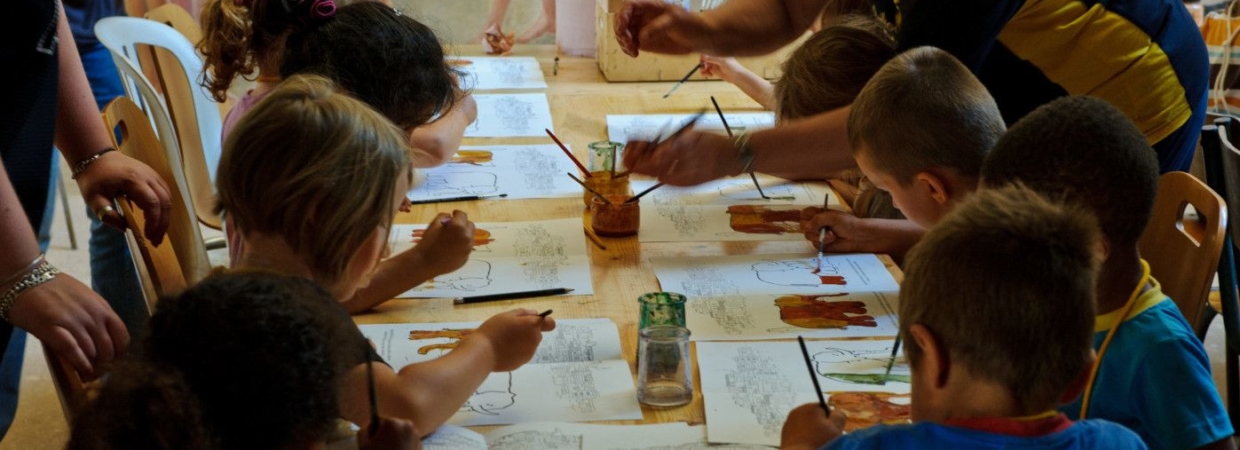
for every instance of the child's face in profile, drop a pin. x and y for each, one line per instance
(362, 267)
(912, 200)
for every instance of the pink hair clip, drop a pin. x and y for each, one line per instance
(323, 9)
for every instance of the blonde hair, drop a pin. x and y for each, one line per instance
(831, 67)
(924, 110)
(316, 167)
(1026, 322)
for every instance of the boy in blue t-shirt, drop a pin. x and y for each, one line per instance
(1154, 376)
(996, 312)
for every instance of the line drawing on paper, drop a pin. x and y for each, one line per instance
(836, 363)
(541, 254)
(574, 382)
(512, 115)
(866, 409)
(705, 281)
(473, 276)
(570, 343)
(759, 219)
(813, 311)
(746, 191)
(733, 316)
(493, 395)
(758, 385)
(534, 167)
(798, 273)
(446, 184)
(537, 440)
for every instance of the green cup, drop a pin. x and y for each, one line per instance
(662, 309)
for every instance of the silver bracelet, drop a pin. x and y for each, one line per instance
(42, 274)
(83, 164)
(744, 152)
(18, 274)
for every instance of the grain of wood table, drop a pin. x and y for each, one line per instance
(580, 101)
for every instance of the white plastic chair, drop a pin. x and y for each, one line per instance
(118, 34)
(193, 114)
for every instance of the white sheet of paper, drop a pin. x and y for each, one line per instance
(623, 127)
(752, 317)
(511, 115)
(749, 387)
(577, 373)
(773, 274)
(706, 212)
(508, 72)
(739, 191)
(573, 340)
(521, 171)
(519, 256)
(452, 437)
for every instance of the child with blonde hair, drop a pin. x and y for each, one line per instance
(384, 58)
(995, 342)
(313, 179)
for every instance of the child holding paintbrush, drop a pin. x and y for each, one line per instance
(986, 373)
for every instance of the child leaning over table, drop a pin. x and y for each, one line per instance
(919, 130)
(313, 178)
(1154, 376)
(994, 342)
(248, 359)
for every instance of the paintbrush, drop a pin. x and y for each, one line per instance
(693, 120)
(683, 80)
(593, 238)
(728, 129)
(813, 375)
(592, 191)
(822, 236)
(584, 171)
(643, 193)
(545, 313)
(895, 349)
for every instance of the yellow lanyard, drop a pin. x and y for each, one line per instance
(1102, 351)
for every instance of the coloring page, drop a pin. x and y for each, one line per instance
(521, 171)
(509, 257)
(575, 436)
(740, 191)
(749, 387)
(483, 73)
(712, 276)
(576, 374)
(770, 316)
(729, 209)
(624, 127)
(511, 115)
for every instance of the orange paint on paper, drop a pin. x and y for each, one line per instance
(866, 409)
(811, 311)
(757, 219)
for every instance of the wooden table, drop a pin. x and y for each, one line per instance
(580, 102)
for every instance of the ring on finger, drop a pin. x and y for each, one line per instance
(104, 211)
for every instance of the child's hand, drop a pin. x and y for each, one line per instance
(514, 336)
(447, 242)
(722, 68)
(841, 227)
(809, 428)
(393, 434)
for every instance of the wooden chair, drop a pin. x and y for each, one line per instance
(1185, 264)
(161, 268)
(194, 115)
(1223, 176)
(70, 388)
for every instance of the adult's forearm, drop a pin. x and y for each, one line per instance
(16, 236)
(80, 132)
(758, 27)
(810, 148)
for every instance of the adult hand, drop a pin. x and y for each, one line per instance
(808, 427)
(659, 27)
(690, 159)
(514, 336)
(73, 321)
(447, 242)
(115, 174)
(720, 67)
(393, 434)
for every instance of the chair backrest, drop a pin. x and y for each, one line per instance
(69, 386)
(194, 115)
(163, 268)
(1183, 257)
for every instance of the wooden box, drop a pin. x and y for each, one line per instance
(617, 66)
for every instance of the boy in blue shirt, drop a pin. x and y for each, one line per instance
(1154, 376)
(996, 313)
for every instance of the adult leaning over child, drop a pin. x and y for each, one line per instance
(1146, 57)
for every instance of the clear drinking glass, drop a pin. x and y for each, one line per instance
(664, 366)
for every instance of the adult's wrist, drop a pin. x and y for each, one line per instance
(31, 279)
(84, 164)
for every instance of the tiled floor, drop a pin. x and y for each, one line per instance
(40, 424)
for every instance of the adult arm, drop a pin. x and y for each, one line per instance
(741, 28)
(68, 317)
(81, 134)
(809, 148)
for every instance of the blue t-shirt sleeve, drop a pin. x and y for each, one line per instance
(965, 28)
(1175, 390)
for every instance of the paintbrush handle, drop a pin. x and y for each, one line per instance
(592, 191)
(584, 170)
(722, 118)
(643, 193)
